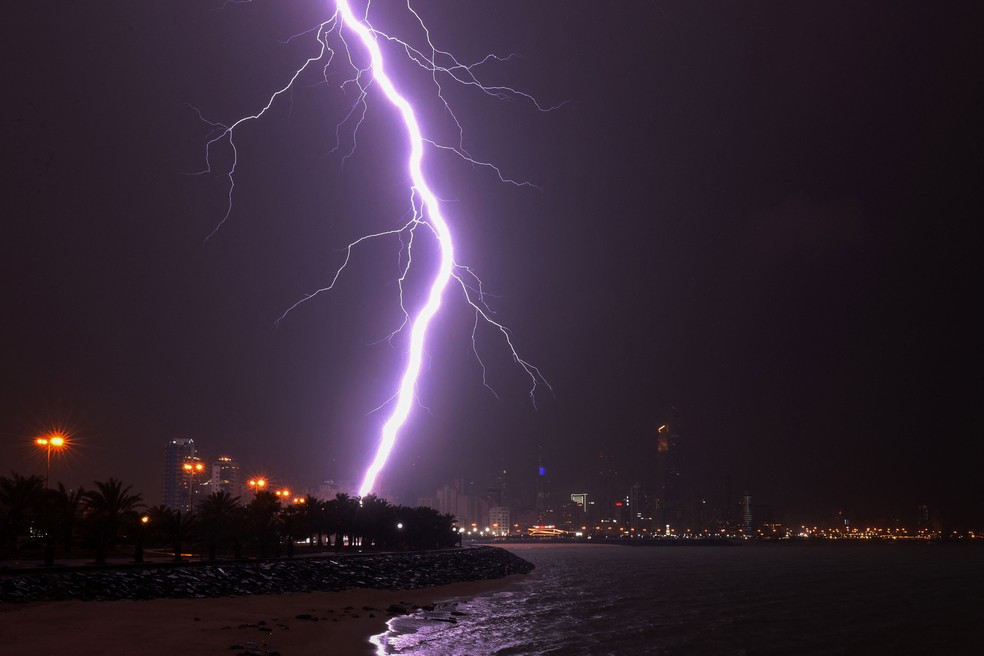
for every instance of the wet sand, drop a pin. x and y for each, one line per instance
(340, 623)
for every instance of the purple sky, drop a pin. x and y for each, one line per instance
(761, 215)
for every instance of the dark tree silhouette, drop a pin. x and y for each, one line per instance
(109, 513)
(107, 509)
(20, 498)
(172, 528)
(262, 521)
(372, 517)
(291, 525)
(69, 512)
(217, 516)
(343, 508)
(315, 521)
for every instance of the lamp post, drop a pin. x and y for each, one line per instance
(138, 552)
(55, 441)
(257, 484)
(192, 468)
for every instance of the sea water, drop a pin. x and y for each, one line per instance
(785, 598)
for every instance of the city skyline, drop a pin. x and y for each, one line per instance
(764, 219)
(528, 497)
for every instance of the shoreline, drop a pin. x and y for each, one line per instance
(290, 624)
(335, 573)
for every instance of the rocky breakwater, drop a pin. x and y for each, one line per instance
(385, 571)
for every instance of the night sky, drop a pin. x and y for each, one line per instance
(762, 214)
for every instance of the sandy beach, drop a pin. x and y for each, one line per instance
(300, 624)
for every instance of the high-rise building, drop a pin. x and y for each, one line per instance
(176, 481)
(499, 520)
(226, 477)
(641, 509)
(609, 483)
(669, 502)
(541, 500)
(453, 500)
(746, 512)
(580, 500)
(502, 486)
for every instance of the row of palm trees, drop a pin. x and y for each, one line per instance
(111, 518)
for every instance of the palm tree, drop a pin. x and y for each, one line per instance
(429, 529)
(57, 513)
(372, 519)
(46, 524)
(69, 510)
(315, 520)
(217, 515)
(291, 525)
(344, 507)
(170, 528)
(20, 498)
(262, 519)
(331, 522)
(108, 507)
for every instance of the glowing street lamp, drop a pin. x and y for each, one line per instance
(138, 553)
(256, 485)
(191, 468)
(54, 441)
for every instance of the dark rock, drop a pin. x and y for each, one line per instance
(391, 571)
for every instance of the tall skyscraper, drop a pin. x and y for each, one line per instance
(668, 465)
(542, 501)
(609, 486)
(226, 476)
(641, 508)
(176, 481)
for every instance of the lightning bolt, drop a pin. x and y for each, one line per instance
(425, 207)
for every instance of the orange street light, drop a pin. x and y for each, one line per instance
(191, 468)
(48, 443)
